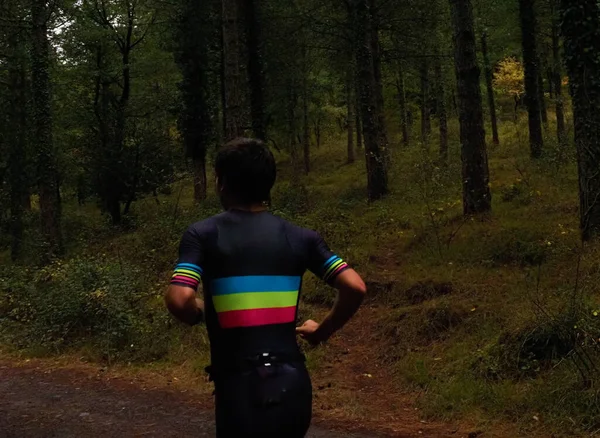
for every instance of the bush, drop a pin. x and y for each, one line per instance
(102, 304)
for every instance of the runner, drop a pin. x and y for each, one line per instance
(251, 264)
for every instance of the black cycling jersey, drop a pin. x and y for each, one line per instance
(251, 267)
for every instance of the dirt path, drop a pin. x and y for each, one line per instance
(354, 397)
(66, 403)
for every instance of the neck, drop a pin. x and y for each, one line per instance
(252, 208)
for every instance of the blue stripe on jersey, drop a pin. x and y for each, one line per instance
(330, 261)
(190, 266)
(255, 283)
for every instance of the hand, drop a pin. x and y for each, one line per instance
(309, 332)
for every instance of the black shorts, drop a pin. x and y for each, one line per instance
(266, 401)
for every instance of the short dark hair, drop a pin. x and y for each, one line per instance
(246, 168)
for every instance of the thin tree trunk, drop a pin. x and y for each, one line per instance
(543, 109)
(233, 110)
(195, 118)
(475, 171)
(376, 168)
(199, 179)
(378, 84)
(255, 68)
(350, 100)
(489, 82)
(305, 125)
(531, 64)
(317, 124)
(359, 125)
(47, 169)
(17, 131)
(402, 105)
(441, 110)
(557, 80)
(425, 111)
(581, 33)
(550, 80)
(291, 122)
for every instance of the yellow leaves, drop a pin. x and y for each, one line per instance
(509, 78)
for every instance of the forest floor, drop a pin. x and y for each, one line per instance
(67, 397)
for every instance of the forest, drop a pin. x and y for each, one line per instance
(450, 150)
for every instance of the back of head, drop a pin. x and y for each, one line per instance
(246, 170)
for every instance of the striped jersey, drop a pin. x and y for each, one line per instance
(251, 267)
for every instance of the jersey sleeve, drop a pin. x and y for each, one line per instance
(322, 261)
(188, 270)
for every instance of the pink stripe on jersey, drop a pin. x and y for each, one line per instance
(256, 317)
(186, 280)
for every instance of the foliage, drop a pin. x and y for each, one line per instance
(509, 78)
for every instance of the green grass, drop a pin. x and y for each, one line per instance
(507, 274)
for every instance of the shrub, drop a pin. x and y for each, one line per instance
(104, 304)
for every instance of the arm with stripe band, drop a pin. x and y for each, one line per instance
(181, 295)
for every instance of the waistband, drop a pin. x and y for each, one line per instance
(249, 363)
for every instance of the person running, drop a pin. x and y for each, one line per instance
(251, 263)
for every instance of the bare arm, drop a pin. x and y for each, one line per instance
(351, 292)
(183, 304)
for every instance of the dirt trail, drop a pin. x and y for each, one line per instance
(73, 404)
(354, 395)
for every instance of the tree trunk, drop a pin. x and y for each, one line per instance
(350, 100)
(191, 56)
(317, 124)
(378, 84)
(402, 105)
(543, 109)
(47, 169)
(376, 169)
(441, 109)
(359, 125)
(581, 33)
(489, 83)
(199, 179)
(475, 173)
(16, 139)
(305, 125)
(233, 110)
(255, 68)
(557, 80)
(291, 122)
(531, 64)
(550, 80)
(425, 111)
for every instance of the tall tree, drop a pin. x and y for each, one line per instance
(233, 111)
(45, 152)
(475, 173)
(581, 32)
(359, 124)
(256, 71)
(305, 122)
(441, 108)
(350, 102)
(123, 26)
(191, 55)
(377, 184)
(16, 136)
(556, 76)
(400, 86)
(531, 65)
(543, 108)
(425, 110)
(489, 83)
